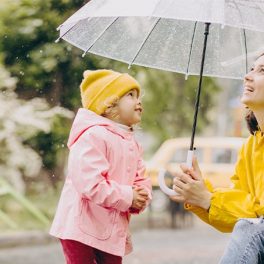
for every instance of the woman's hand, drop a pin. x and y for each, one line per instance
(190, 186)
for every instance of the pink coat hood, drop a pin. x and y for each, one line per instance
(86, 119)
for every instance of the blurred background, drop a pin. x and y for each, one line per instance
(39, 96)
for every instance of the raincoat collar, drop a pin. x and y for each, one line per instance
(86, 119)
(259, 134)
(126, 128)
(259, 137)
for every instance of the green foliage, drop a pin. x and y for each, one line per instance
(43, 68)
(169, 102)
(49, 144)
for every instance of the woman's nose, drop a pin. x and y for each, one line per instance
(248, 76)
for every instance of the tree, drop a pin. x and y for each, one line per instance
(20, 120)
(42, 68)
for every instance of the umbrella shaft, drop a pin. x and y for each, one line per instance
(197, 103)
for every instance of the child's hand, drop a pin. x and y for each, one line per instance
(140, 198)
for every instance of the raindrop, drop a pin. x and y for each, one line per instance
(62, 145)
(41, 51)
(5, 36)
(27, 56)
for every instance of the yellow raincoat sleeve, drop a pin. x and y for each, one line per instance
(229, 204)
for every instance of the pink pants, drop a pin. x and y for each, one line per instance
(79, 253)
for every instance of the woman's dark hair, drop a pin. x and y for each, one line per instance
(251, 120)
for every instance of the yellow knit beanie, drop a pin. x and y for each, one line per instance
(100, 88)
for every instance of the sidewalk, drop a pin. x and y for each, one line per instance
(37, 237)
(199, 244)
(24, 238)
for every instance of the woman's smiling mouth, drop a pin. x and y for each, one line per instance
(248, 89)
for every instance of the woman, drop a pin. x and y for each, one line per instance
(240, 208)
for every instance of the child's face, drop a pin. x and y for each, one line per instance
(129, 108)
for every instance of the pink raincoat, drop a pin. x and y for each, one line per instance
(104, 163)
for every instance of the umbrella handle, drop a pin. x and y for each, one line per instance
(163, 185)
(189, 158)
(162, 173)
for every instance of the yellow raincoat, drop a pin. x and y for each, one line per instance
(245, 199)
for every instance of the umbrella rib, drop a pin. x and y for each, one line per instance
(144, 41)
(244, 35)
(246, 49)
(60, 37)
(190, 53)
(261, 8)
(253, 2)
(99, 36)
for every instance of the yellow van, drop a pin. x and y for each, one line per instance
(216, 156)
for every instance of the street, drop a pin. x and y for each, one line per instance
(191, 245)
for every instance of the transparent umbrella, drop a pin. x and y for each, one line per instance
(172, 35)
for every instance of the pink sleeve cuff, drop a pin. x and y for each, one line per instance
(125, 202)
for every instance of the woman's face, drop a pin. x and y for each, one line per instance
(253, 95)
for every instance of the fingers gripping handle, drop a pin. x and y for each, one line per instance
(161, 177)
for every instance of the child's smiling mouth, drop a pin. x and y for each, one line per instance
(139, 109)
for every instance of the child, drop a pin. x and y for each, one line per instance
(105, 181)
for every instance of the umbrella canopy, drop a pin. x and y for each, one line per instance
(172, 35)
(168, 34)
